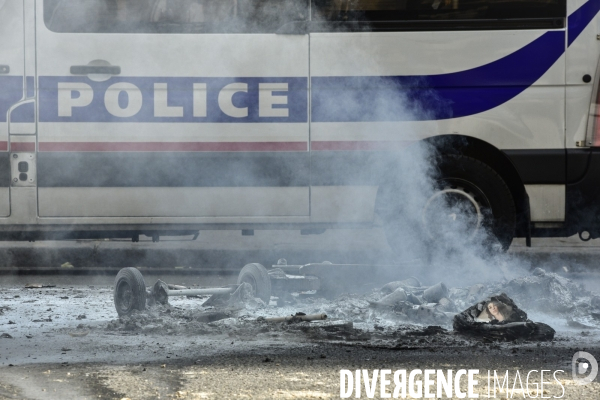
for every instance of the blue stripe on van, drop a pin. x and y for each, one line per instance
(433, 97)
(23, 113)
(580, 18)
(11, 91)
(444, 96)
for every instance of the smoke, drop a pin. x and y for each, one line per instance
(173, 16)
(395, 172)
(440, 225)
(434, 233)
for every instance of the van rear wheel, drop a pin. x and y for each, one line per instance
(469, 203)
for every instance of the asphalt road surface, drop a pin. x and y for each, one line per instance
(65, 341)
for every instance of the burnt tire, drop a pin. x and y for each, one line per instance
(258, 277)
(130, 291)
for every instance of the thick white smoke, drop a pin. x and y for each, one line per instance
(442, 238)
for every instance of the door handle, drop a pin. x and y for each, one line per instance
(4, 69)
(95, 69)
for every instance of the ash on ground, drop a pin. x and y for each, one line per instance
(399, 315)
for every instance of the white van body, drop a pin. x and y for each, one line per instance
(170, 130)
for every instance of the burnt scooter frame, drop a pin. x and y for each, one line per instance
(130, 292)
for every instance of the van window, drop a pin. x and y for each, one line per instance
(172, 16)
(435, 10)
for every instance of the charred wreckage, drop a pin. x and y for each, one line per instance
(490, 312)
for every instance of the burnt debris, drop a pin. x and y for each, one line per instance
(290, 300)
(498, 318)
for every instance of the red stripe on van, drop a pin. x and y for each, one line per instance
(358, 145)
(22, 146)
(173, 146)
(3, 146)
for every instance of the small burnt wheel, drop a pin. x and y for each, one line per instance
(258, 277)
(130, 291)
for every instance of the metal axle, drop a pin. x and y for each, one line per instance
(161, 291)
(198, 292)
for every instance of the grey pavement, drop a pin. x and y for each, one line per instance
(51, 359)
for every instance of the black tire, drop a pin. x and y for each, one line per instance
(258, 277)
(467, 178)
(130, 291)
(494, 195)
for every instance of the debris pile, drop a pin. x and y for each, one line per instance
(498, 318)
(543, 292)
(411, 301)
(396, 313)
(388, 316)
(166, 319)
(546, 291)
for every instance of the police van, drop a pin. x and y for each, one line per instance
(166, 117)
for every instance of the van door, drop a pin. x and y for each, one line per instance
(12, 70)
(172, 109)
(385, 74)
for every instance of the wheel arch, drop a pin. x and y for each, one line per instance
(497, 160)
